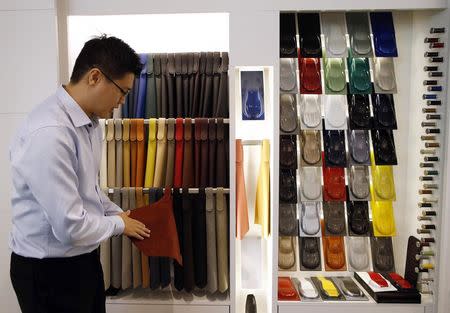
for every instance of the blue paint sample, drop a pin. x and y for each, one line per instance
(383, 34)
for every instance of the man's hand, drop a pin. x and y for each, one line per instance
(134, 228)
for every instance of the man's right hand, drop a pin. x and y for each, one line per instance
(134, 228)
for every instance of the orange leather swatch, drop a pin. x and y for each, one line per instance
(242, 224)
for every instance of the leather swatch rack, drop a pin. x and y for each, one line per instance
(172, 132)
(175, 85)
(201, 217)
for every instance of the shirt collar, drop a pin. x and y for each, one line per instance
(77, 115)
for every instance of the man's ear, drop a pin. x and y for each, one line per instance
(93, 76)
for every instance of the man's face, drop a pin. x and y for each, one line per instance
(108, 93)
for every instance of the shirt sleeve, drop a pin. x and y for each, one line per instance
(110, 207)
(48, 164)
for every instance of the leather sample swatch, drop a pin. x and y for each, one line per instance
(151, 154)
(359, 111)
(334, 30)
(327, 289)
(309, 35)
(358, 218)
(140, 202)
(103, 176)
(383, 219)
(311, 183)
(384, 111)
(222, 220)
(179, 143)
(334, 184)
(383, 187)
(140, 152)
(170, 164)
(382, 254)
(359, 76)
(199, 238)
(212, 135)
(127, 265)
(133, 152)
(349, 289)
(288, 186)
(288, 75)
(288, 223)
(286, 253)
(310, 77)
(188, 155)
(288, 113)
(119, 152)
(334, 253)
(242, 222)
(135, 252)
(310, 112)
(309, 254)
(334, 72)
(111, 143)
(161, 153)
(383, 34)
(306, 289)
(359, 33)
(288, 42)
(158, 217)
(311, 148)
(359, 147)
(288, 152)
(334, 219)
(334, 144)
(116, 250)
(105, 260)
(178, 213)
(384, 147)
(335, 112)
(201, 152)
(286, 290)
(384, 75)
(211, 250)
(310, 219)
(359, 183)
(358, 254)
(188, 254)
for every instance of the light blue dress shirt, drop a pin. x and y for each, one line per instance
(58, 208)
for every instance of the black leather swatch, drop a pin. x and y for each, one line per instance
(384, 147)
(288, 186)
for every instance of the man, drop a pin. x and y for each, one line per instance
(59, 213)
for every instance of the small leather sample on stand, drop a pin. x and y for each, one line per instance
(286, 290)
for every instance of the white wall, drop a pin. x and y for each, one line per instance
(28, 59)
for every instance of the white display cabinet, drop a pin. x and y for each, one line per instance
(253, 41)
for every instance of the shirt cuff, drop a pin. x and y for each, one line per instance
(119, 225)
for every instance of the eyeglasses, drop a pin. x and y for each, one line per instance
(124, 92)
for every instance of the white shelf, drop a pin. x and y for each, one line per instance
(169, 296)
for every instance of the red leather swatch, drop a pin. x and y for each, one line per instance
(334, 184)
(159, 218)
(310, 78)
(400, 281)
(286, 290)
(179, 141)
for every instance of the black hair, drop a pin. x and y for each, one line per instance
(110, 54)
